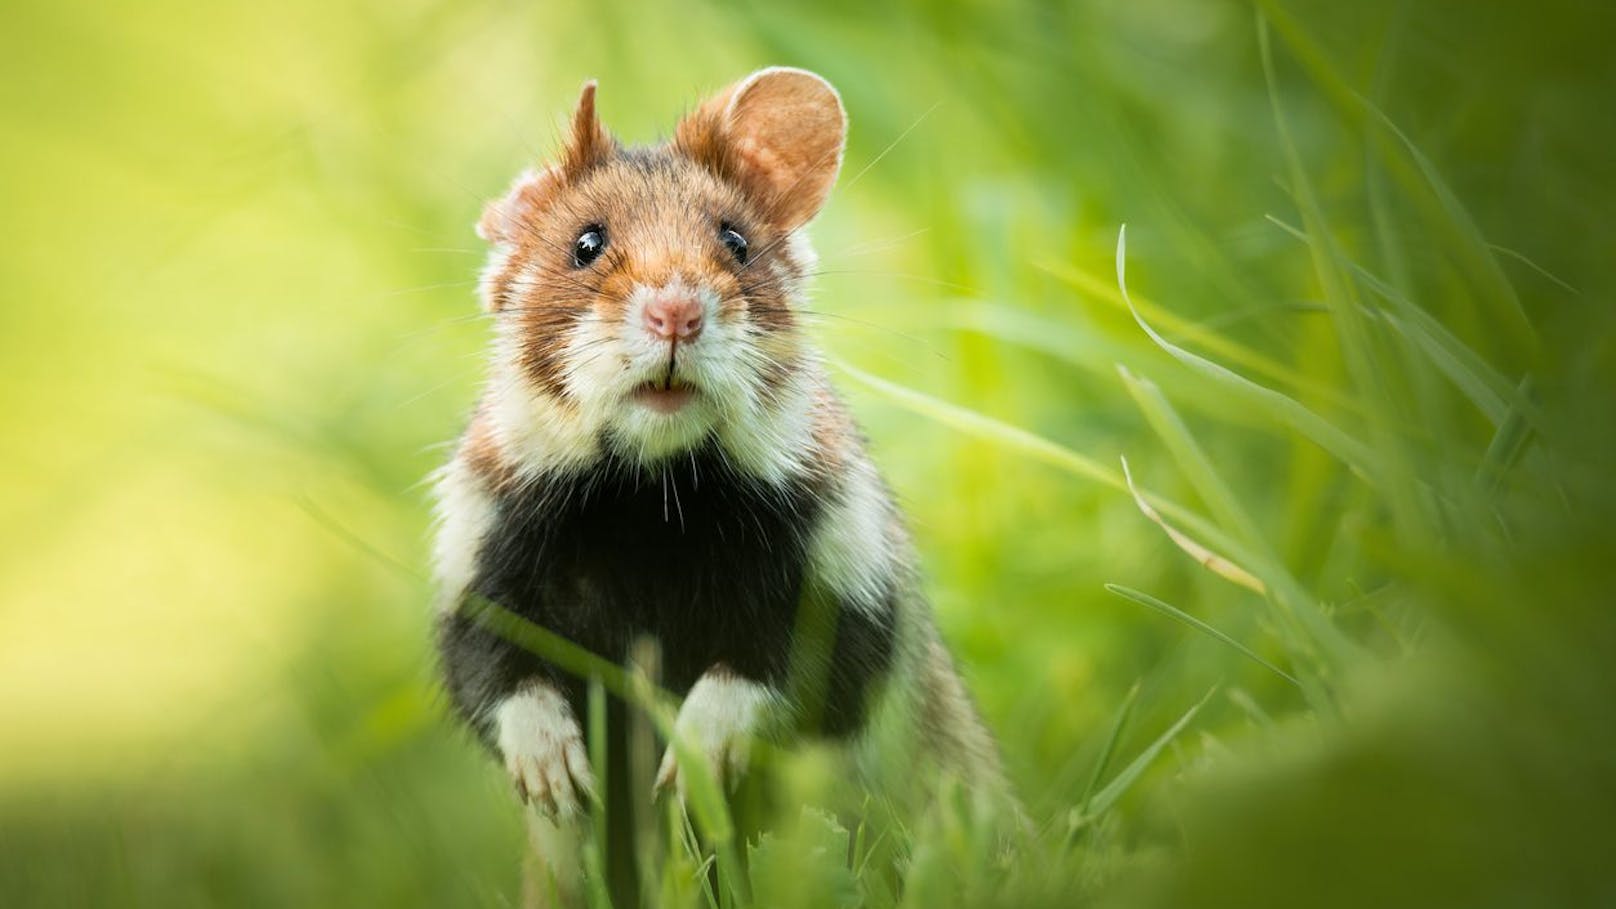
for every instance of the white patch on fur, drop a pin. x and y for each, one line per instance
(774, 441)
(851, 550)
(543, 749)
(801, 251)
(464, 511)
(497, 262)
(718, 719)
(533, 430)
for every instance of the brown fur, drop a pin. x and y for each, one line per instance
(479, 449)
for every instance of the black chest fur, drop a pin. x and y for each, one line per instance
(706, 561)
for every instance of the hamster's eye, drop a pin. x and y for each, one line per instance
(589, 245)
(734, 242)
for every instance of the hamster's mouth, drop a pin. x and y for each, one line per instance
(665, 397)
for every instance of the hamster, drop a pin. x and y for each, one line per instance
(658, 454)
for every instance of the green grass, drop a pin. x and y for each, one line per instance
(1274, 539)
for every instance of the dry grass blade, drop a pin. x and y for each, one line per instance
(1208, 559)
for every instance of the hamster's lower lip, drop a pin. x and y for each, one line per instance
(664, 400)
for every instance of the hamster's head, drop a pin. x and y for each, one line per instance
(647, 299)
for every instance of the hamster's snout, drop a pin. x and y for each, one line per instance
(674, 316)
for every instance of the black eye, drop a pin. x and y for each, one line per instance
(589, 245)
(734, 242)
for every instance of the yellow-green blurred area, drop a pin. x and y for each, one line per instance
(238, 326)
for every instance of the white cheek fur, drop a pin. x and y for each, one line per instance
(497, 262)
(773, 442)
(534, 431)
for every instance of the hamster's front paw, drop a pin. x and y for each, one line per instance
(544, 751)
(718, 719)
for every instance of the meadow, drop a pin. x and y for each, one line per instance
(1246, 370)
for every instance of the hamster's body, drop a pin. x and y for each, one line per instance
(659, 456)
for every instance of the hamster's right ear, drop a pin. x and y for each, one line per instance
(588, 144)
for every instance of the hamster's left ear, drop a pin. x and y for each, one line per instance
(778, 134)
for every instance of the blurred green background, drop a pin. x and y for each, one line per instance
(237, 326)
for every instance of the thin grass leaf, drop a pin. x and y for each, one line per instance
(1171, 611)
(981, 426)
(1305, 627)
(1507, 445)
(1373, 374)
(596, 857)
(1119, 723)
(1542, 272)
(684, 833)
(1492, 394)
(1208, 559)
(1474, 249)
(1406, 163)
(1194, 333)
(1114, 790)
(1279, 406)
(1086, 348)
(987, 428)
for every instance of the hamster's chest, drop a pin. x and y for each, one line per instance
(703, 560)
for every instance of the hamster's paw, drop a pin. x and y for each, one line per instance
(544, 752)
(719, 717)
(725, 753)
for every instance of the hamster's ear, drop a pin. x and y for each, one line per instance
(778, 134)
(503, 219)
(587, 144)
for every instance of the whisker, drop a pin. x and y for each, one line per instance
(894, 144)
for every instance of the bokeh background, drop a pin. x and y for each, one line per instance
(237, 328)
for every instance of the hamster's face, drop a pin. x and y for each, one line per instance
(648, 295)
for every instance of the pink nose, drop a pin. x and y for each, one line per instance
(673, 317)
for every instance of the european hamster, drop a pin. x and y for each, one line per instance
(658, 454)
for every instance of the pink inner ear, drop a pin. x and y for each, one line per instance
(779, 134)
(789, 126)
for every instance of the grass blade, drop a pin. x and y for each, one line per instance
(1307, 629)
(1279, 406)
(1026, 443)
(595, 850)
(1192, 332)
(1208, 559)
(1493, 394)
(1473, 247)
(1114, 790)
(1124, 713)
(1171, 611)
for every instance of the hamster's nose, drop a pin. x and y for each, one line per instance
(673, 317)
